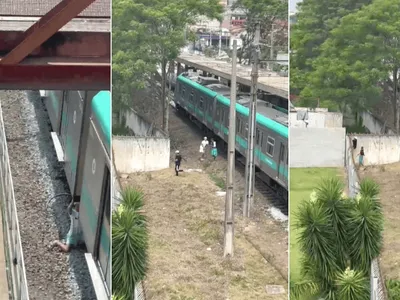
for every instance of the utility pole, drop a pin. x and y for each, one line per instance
(220, 40)
(251, 125)
(229, 224)
(271, 49)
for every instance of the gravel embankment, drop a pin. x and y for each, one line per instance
(37, 177)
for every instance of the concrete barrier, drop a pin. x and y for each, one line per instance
(374, 125)
(317, 147)
(379, 149)
(141, 154)
(314, 119)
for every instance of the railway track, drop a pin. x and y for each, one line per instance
(267, 196)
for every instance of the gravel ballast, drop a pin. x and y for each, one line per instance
(38, 177)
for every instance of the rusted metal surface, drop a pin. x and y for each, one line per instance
(100, 8)
(45, 28)
(56, 74)
(269, 82)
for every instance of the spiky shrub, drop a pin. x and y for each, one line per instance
(129, 244)
(352, 285)
(337, 232)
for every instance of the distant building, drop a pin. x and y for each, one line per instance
(293, 18)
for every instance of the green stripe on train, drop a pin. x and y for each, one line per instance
(101, 106)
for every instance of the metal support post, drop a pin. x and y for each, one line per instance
(250, 166)
(229, 217)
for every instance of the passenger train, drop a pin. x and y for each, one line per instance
(207, 102)
(90, 183)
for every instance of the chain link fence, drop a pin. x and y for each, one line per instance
(378, 288)
(17, 283)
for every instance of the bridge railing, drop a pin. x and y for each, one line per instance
(18, 287)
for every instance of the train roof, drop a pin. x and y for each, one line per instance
(198, 86)
(271, 124)
(101, 106)
(220, 88)
(267, 110)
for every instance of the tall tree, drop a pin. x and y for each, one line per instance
(147, 35)
(361, 57)
(315, 19)
(268, 13)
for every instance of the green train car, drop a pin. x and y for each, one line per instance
(90, 185)
(209, 105)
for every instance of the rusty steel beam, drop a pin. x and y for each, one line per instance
(56, 74)
(43, 30)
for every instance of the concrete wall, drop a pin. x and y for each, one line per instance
(317, 147)
(140, 154)
(317, 120)
(374, 125)
(116, 187)
(148, 150)
(139, 125)
(379, 149)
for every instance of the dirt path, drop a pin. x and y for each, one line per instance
(388, 177)
(186, 237)
(266, 233)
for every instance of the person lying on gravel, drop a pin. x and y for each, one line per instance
(74, 233)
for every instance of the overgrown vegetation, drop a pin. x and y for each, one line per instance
(338, 237)
(347, 54)
(129, 244)
(393, 289)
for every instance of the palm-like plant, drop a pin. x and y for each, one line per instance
(129, 244)
(337, 233)
(352, 285)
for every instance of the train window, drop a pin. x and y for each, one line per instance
(246, 129)
(191, 96)
(183, 91)
(238, 122)
(201, 103)
(270, 146)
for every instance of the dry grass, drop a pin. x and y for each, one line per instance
(186, 237)
(388, 177)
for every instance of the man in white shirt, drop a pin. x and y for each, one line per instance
(203, 145)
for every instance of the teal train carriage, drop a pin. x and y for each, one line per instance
(90, 185)
(208, 105)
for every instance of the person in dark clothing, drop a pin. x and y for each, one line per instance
(178, 159)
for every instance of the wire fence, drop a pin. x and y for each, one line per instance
(17, 283)
(378, 288)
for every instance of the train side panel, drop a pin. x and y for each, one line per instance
(95, 202)
(53, 103)
(70, 133)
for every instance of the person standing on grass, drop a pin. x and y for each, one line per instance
(178, 159)
(74, 235)
(361, 157)
(203, 145)
(214, 150)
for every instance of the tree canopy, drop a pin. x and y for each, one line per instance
(266, 12)
(315, 20)
(360, 57)
(146, 34)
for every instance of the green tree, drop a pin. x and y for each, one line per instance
(147, 35)
(267, 12)
(315, 20)
(129, 244)
(361, 56)
(339, 238)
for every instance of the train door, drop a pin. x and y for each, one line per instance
(282, 165)
(217, 119)
(257, 150)
(101, 254)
